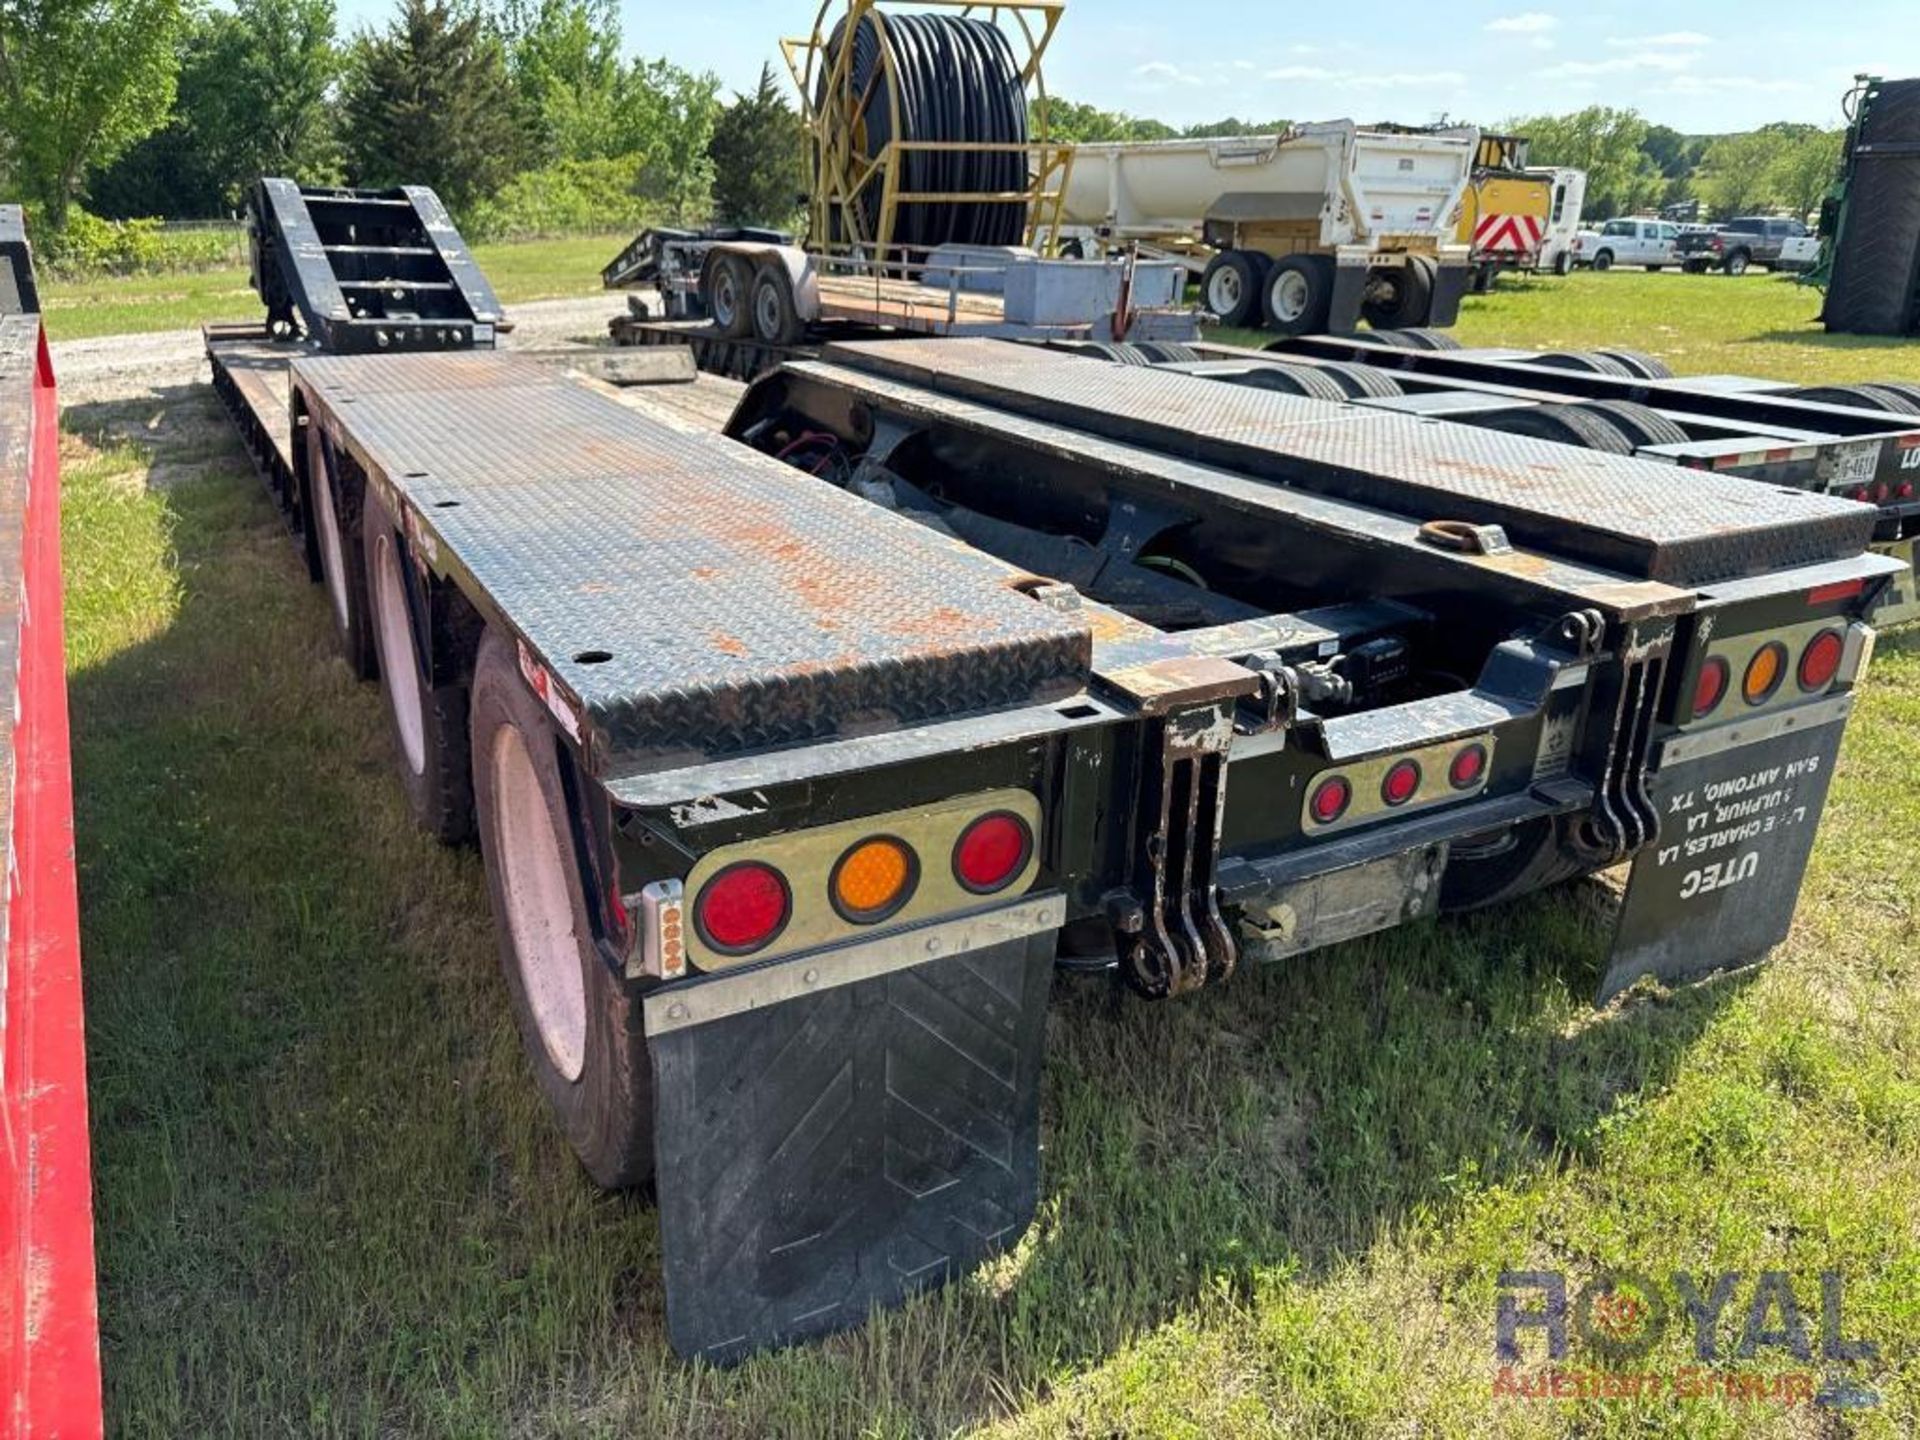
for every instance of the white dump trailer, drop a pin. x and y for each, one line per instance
(1309, 229)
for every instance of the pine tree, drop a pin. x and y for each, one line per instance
(758, 158)
(429, 103)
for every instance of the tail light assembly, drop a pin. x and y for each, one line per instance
(775, 896)
(1363, 791)
(1750, 673)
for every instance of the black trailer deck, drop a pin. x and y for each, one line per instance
(695, 598)
(1599, 509)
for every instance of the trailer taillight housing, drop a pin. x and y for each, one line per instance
(1358, 792)
(761, 899)
(1745, 674)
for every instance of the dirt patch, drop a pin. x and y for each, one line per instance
(147, 367)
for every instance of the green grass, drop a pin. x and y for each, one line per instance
(1699, 324)
(329, 1203)
(130, 304)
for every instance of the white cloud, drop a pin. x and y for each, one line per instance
(1714, 84)
(1403, 80)
(1680, 39)
(1530, 22)
(1620, 65)
(1368, 79)
(1160, 72)
(1303, 49)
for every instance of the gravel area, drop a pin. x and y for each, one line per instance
(139, 367)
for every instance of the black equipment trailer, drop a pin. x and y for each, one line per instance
(797, 754)
(1859, 442)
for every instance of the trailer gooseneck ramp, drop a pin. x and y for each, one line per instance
(797, 754)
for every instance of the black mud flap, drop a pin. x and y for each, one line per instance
(839, 1131)
(1738, 807)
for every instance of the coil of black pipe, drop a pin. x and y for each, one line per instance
(957, 81)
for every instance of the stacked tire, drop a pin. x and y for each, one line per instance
(1876, 263)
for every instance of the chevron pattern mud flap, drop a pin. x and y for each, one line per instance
(838, 1131)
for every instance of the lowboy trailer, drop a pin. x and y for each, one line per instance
(798, 754)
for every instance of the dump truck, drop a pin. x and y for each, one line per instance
(800, 749)
(1311, 229)
(1522, 219)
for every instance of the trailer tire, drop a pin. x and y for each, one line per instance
(1530, 856)
(1296, 295)
(1639, 363)
(1232, 286)
(1876, 256)
(1362, 381)
(1409, 298)
(428, 722)
(1905, 388)
(1861, 397)
(342, 566)
(1562, 424)
(578, 1022)
(1418, 337)
(729, 298)
(1308, 381)
(1563, 263)
(776, 319)
(1593, 362)
(1640, 424)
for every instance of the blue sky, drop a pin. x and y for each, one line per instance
(1725, 66)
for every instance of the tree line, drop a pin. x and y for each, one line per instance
(526, 114)
(519, 113)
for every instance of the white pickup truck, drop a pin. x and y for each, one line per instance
(1650, 243)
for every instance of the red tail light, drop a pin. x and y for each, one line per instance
(1820, 661)
(1711, 688)
(992, 851)
(1401, 782)
(1905, 492)
(1467, 767)
(1330, 800)
(743, 908)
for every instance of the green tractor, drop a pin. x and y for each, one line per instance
(1869, 262)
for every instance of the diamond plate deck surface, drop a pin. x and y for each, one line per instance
(739, 603)
(1640, 517)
